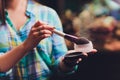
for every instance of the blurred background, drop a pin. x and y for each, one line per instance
(99, 21)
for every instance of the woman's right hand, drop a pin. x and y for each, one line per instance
(38, 32)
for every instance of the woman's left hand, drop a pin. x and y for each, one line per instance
(73, 57)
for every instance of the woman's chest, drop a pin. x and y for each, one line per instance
(10, 38)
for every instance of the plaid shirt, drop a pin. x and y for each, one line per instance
(42, 60)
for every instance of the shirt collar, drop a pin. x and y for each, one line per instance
(29, 10)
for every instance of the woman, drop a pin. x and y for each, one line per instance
(25, 34)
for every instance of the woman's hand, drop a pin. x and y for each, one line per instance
(38, 32)
(72, 58)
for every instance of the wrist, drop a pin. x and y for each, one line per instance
(26, 47)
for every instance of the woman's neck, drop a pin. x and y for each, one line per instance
(15, 8)
(16, 4)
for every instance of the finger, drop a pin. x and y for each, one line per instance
(44, 36)
(92, 52)
(43, 27)
(48, 27)
(38, 23)
(79, 60)
(42, 32)
(38, 28)
(85, 54)
(42, 23)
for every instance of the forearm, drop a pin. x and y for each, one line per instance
(10, 58)
(38, 32)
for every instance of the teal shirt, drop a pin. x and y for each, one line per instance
(42, 60)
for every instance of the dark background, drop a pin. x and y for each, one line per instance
(61, 5)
